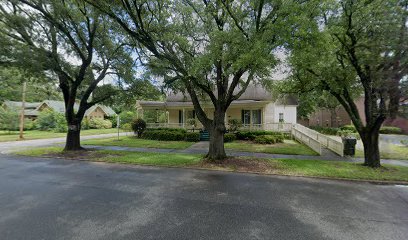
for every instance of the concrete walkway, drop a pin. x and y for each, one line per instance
(202, 148)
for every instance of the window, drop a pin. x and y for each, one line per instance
(246, 116)
(181, 119)
(281, 119)
(256, 116)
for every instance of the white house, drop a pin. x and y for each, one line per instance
(256, 109)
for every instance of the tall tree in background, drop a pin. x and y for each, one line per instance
(70, 40)
(210, 49)
(39, 86)
(355, 47)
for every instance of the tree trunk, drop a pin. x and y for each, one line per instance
(73, 142)
(216, 151)
(371, 148)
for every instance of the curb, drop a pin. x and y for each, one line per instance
(378, 182)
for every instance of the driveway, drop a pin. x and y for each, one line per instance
(63, 199)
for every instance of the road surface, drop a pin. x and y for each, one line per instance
(64, 199)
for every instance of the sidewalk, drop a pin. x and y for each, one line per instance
(12, 145)
(202, 148)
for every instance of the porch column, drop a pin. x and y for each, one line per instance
(184, 117)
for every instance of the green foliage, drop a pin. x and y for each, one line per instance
(127, 117)
(99, 123)
(85, 125)
(350, 128)
(138, 126)
(9, 119)
(192, 137)
(250, 135)
(268, 139)
(126, 127)
(51, 121)
(114, 120)
(390, 130)
(326, 130)
(229, 137)
(234, 124)
(192, 122)
(163, 135)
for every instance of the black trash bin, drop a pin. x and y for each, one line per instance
(349, 144)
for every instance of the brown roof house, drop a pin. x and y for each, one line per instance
(256, 109)
(32, 110)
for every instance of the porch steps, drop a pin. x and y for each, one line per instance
(204, 135)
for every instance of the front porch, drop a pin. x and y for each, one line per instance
(252, 115)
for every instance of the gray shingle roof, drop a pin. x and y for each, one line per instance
(59, 106)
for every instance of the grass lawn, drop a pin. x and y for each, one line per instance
(312, 168)
(159, 159)
(137, 142)
(6, 136)
(394, 152)
(289, 147)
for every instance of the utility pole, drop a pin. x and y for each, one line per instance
(22, 110)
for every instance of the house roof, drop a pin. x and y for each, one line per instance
(253, 92)
(59, 106)
(27, 105)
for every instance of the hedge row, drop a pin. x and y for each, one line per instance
(251, 135)
(352, 129)
(268, 139)
(171, 135)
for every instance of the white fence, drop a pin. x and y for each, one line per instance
(304, 138)
(328, 142)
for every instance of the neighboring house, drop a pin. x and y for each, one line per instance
(96, 111)
(32, 110)
(333, 117)
(339, 117)
(256, 109)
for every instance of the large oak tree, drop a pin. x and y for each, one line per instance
(355, 48)
(211, 50)
(69, 40)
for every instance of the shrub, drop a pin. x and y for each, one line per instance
(60, 123)
(163, 135)
(349, 128)
(85, 124)
(29, 124)
(268, 139)
(9, 119)
(250, 135)
(99, 123)
(234, 124)
(390, 130)
(126, 127)
(326, 130)
(138, 126)
(127, 117)
(348, 133)
(192, 137)
(114, 120)
(180, 130)
(229, 137)
(46, 120)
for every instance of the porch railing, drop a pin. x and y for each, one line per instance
(276, 127)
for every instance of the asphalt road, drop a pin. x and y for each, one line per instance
(64, 199)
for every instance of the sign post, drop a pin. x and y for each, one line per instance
(118, 125)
